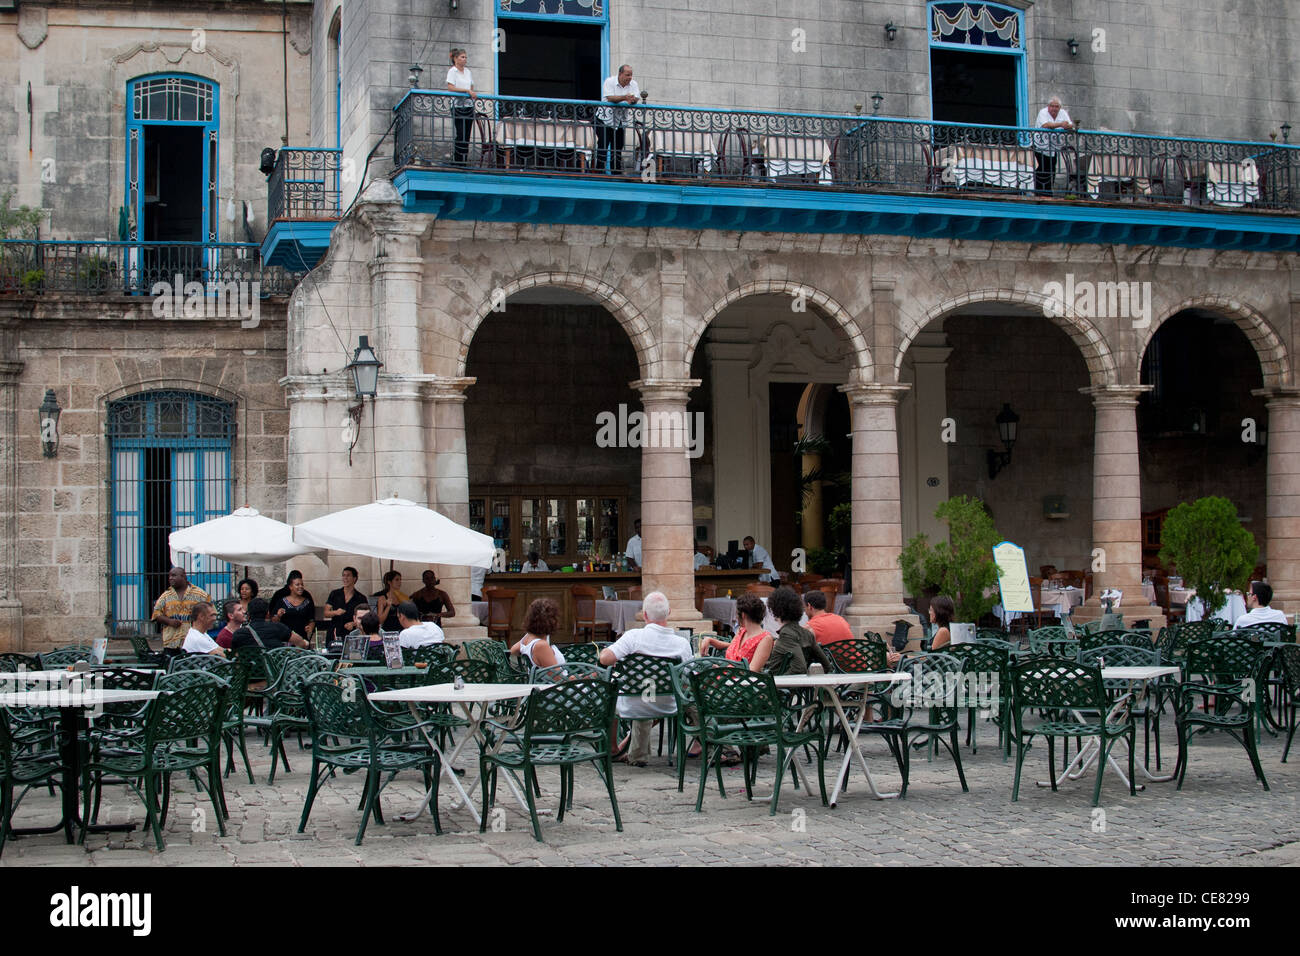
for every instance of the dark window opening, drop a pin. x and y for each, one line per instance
(973, 88)
(550, 60)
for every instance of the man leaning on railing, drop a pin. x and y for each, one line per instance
(611, 121)
(1048, 146)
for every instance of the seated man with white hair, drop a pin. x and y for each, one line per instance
(656, 639)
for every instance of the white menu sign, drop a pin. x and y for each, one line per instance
(1013, 577)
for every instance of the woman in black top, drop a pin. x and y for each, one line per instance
(432, 601)
(389, 597)
(296, 610)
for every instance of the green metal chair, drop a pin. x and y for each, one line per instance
(929, 714)
(742, 708)
(986, 675)
(855, 656)
(1127, 655)
(1060, 687)
(26, 770)
(1138, 639)
(182, 732)
(1274, 631)
(1039, 638)
(346, 735)
(144, 653)
(62, 657)
(254, 658)
(562, 725)
(11, 662)
(1289, 662)
(486, 649)
(688, 724)
(1232, 671)
(286, 712)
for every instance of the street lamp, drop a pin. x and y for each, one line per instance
(365, 370)
(416, 70)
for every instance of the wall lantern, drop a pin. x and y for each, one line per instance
(416, 70)
(1008, 424)
(891, 31)
(49, 418)
(1073, 44)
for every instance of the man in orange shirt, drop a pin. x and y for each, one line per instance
(826, 627)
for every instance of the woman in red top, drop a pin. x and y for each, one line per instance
(752, 643)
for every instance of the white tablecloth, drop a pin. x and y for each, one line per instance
(994, 165)
(480, 610)
(1059, 602)
(620, 614)
(1234, 609)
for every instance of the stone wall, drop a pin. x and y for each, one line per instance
(1033, 365)
(93, 352)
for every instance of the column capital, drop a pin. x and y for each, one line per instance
(316, 388)
(1282, 396)
(863, 393)
(445, 389)
(1115, 395)
(666, 389)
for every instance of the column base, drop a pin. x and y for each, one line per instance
(462, 628)
(880, 618)
(11, 626)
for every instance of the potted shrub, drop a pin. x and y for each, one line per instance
(1205, 539)
(95, 275)
(961, 567)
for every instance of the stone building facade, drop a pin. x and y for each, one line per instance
(502, 339)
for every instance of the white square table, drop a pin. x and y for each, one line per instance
(467, 697)
(827, 684)
(72, 699)
(1138, 678)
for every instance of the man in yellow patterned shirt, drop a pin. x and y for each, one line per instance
(172, 609)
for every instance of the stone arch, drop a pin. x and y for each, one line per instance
(601, 293)
(1274, 359)
(825, 304)
(1097, 354)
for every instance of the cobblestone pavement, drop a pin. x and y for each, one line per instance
(1222, 816)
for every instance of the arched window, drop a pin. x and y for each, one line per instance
(170, 454)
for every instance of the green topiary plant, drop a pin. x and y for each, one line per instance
(1211, 549)
(961, 567)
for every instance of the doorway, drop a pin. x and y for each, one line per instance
(552, 60)
(974, 88)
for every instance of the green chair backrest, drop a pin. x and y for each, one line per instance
(639, 674)
(338, 711)
(61, 657)
(583, 706)
(1119, 655)
(681, 677)
(1275, 631)
(728, 695)
(429, 654)
(570, 670)
(1139, 639)
(186, 713)
(581, 653)
(855, 656)
(1057, 684)
(1290, 660)
(1038, 638)
(200, 662)
(1224, 659)
(11, 662)
(936, 686)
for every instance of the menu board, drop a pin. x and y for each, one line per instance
(392, 651)
(1013, 577)
(355, 646)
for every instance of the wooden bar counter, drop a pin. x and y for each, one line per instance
(556, 584)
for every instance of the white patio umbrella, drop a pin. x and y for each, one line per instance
(244, 537)
(399, 530)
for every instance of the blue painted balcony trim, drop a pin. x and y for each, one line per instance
(553, 199)
(297, 246)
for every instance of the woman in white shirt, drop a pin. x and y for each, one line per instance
(459, 80)
(542, 618)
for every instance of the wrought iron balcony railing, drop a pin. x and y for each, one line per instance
(38, 267)
(866, 154)
(304, 185)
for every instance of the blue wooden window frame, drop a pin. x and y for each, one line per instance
(499, 14)
(200, 427)
(1018, 52)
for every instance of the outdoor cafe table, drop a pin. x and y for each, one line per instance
(72, 705)
(482, 695)
(827, 684)
(1138, 678)
(1004, 166)
(621, 615)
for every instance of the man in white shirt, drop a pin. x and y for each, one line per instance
(1048, 145)
(534, 563)
(633, 549)
(1257, 600)
(656, 639)
(761, 559)
(611, 121)
(476, 578)
(703, 555)
(202, 617)
(416, 633)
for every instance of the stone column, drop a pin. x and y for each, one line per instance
(1283, 522)
(1117, 504)
(877, 534)
(810, 522)
(11, 610)
(448, 469)
(667, 523)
